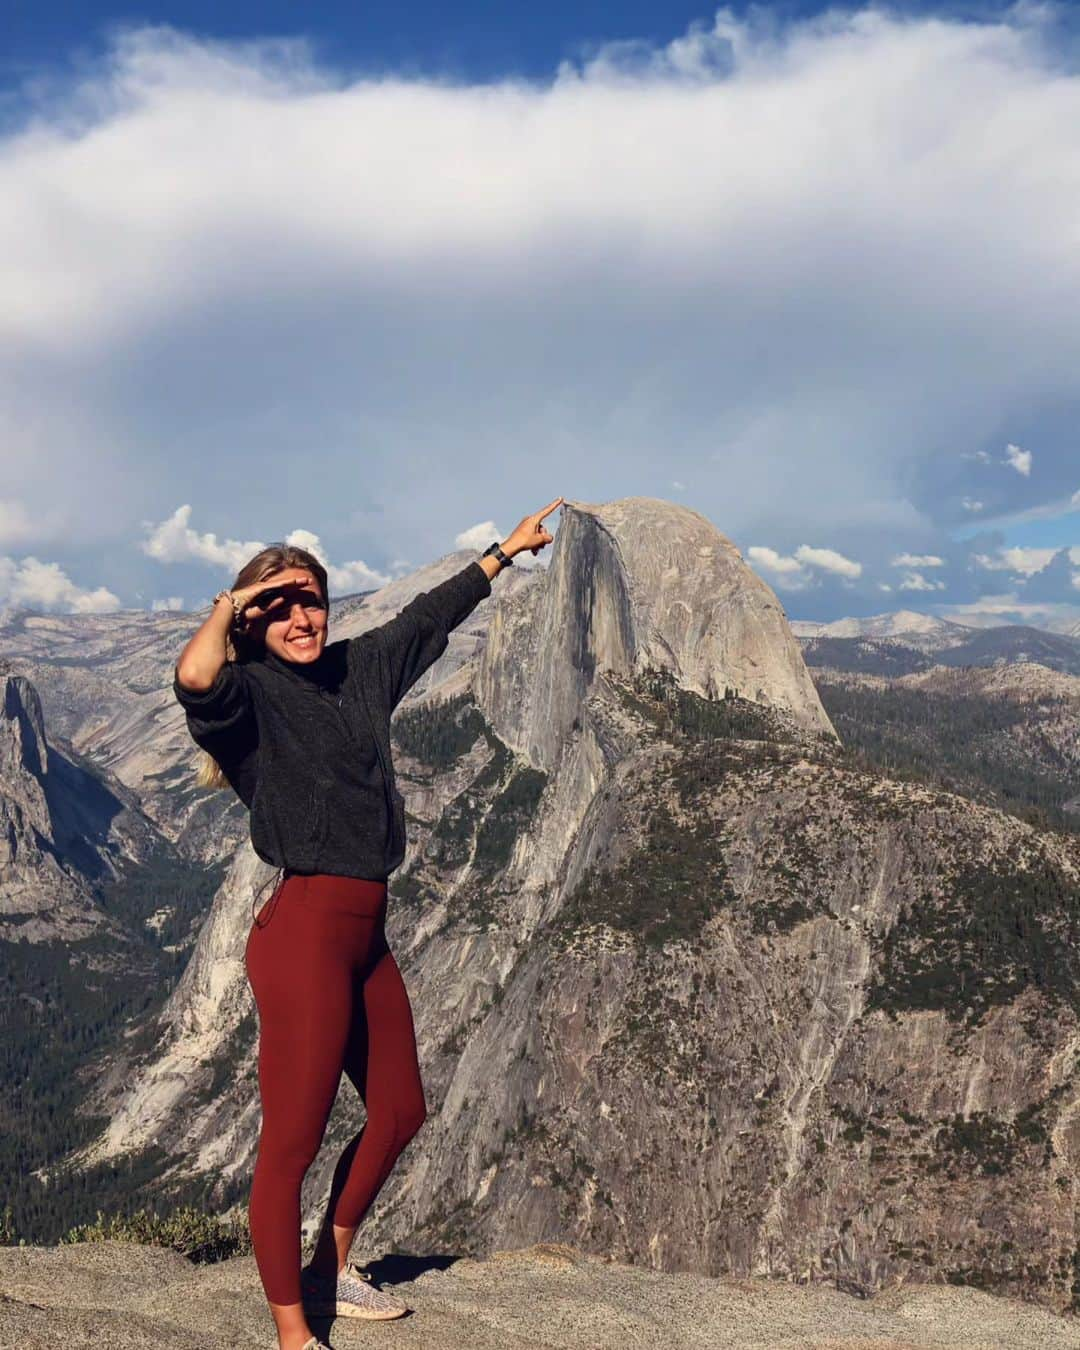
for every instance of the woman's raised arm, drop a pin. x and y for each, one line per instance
(418, 636)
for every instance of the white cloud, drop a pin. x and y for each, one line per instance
(786, 573)
(46, 586)
(771, 561)
(174, 541)
(915, 581)
(792, 572)
(1026, 561)
(169, 602)
(344, 578)
(478, 536)
(1019, 459)
(989, 610)
(970, 504)
(261, 283)
(918, 560)
(829, 560)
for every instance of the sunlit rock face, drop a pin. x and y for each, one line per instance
(61, 829)
(634, 584)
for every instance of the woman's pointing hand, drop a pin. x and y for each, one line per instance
(530, 533)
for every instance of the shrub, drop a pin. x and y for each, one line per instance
(196, 1235)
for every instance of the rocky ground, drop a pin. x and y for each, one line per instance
(130, 1297)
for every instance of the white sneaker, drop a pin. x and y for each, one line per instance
(355, 1294)
(314, 1344)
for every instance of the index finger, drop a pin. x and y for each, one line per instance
(548, 509)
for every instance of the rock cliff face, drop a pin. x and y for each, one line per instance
(61, 829)
(691, 989)
(637, 584)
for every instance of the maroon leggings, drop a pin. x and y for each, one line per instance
(330, 997)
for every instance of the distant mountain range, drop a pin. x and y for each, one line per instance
(906, 642)
(901, 622)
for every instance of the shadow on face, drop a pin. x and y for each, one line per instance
(293, 622)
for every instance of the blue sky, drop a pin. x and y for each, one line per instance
(463, 41)
(385, 281)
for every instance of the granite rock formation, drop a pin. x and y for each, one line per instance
(692, 989)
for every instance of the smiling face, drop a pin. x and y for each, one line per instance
(295, 627)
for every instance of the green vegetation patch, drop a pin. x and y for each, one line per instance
(510, 815)
(64, 1005)
(198, 1236)
(996, 930)
(60, 1004)
(984, 1144)
(410, 889)
(166, 881)
(440, 732)
(451, 841)
(665, 891)
(679, 714)
(959, 742)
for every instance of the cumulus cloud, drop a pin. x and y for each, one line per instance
(264, 285)
(478, 536)
(918, 560)
(829, 560)
(771, 561)
(1022, 560)
(1018, 459)
(174, 541)
(167, 603)
(915, 581)
(343, 577)
(793, 572)
(34, 584)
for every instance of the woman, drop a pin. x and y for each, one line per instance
(300, 729)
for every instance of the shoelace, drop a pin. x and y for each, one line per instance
(364, 1284)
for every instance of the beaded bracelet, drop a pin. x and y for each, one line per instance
(237, 607)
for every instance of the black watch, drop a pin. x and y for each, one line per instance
(497, 551)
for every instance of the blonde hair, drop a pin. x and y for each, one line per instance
(239, 646)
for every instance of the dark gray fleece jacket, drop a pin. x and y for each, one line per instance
(307, 747)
